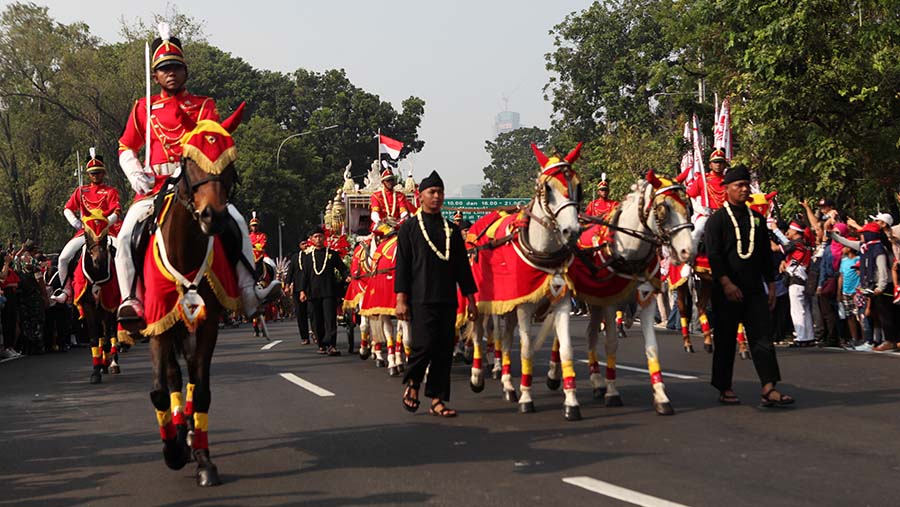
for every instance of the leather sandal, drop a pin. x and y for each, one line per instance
(410, 402)
(783, 400)
(443, 411)
(728, 399)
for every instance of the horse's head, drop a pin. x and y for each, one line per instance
(760, 202)
(669, 213)
(96, 242)
(207, 173)
(558, 195)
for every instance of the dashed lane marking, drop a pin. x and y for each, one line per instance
(270, 345)
(305, 384)
(619, 493)
(641, 370)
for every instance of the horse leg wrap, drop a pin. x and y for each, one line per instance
(476, 358)
(166, 427)
(655, 374)
(113, 347)
(741, 337)
(526, 373)
(685, 330)
(593, 363)
(177, 403)
(619, 318)
(189, 401)
(498, 352)
(611, 367)
(96, 360)
(201, 431)
(506, 368)
(568, 375)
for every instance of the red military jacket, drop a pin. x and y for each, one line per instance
(90, 197)
(600, 206)
(714, 186)
(389, 204)
(258, 240)
(166, 124)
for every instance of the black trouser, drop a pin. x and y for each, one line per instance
(753, 311)
(56, 326)
(10, 317)
(300, 309)
(432, 327)
(781, 318)
(828, 310)
(324, 321)
(884, 311)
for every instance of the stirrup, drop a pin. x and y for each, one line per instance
(131, 315)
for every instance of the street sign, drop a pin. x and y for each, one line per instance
(475, 208)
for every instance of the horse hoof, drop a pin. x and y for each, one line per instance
(599, 392)
(614, 401)
(115, 370)
(664, 408)
(495, 374)
(689, 348)
(364, 354)
(573, 413)
(380, 363)
(510, 396)
(392, 371)
(476, 388)
(745, 354)
(553, 383)
(174, 455)
(708, 348)
(526, 408)
(208, 476)
(96, 378)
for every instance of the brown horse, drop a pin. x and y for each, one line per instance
(97, 295)
(191, 216)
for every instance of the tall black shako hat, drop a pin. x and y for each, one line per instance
(736, 173)
(165, 49)
(433, 180)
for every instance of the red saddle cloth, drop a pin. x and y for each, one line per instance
(108, 296)
(356, 289)
(505, 278)
(380, 298)
(596, 282)
(162, 293)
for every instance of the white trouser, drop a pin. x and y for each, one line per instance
(801, 313)
(65, 257)
(142, 209)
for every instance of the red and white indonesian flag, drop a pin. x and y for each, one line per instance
(723, 129)
(389, 146)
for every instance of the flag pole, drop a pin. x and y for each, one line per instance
(147, 96)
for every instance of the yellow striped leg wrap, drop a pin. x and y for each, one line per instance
(477, 353)
(95, 352)
(177, 401)
(703, 319)
(556, 344)
(526, 366)
(201, 421)
(568, 375)
(163, 417)
(592, 357)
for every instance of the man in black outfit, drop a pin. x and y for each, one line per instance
(295, 274)
(743, 290)
(431, 262)
(321, 289)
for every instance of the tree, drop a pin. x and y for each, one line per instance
(513, 167)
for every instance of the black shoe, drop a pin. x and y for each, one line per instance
(333, 352)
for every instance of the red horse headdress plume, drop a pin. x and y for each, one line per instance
(556, 170)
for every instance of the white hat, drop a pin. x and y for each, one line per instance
(884, 217)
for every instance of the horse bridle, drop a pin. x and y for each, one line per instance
(661, 196)
(548, 222)
(191, 187)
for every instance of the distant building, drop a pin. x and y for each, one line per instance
(506, 121)
(471, 190)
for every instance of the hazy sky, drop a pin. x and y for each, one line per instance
(461, 56)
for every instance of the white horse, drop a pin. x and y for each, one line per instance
(655, 214)
(538, 246)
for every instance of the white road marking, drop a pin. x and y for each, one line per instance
(270, 345)
(309, 386)
(10, 359)
(641, 370)
(619, 493)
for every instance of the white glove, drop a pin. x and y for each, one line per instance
(73, 220)
(113, 219)
(141, 182)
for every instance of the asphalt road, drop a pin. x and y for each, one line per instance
(65, 442)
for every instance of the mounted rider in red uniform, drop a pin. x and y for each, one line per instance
(85, 198)
(170, 72)
(602, 204)
(387, 202)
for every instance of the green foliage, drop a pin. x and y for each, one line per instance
(63, 90)
(513, 167)
(813, 86)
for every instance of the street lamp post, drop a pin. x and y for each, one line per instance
(278, 153)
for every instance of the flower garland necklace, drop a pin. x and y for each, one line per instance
(390, 210)
(316, 270)
(737, 233)
(446, 255)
